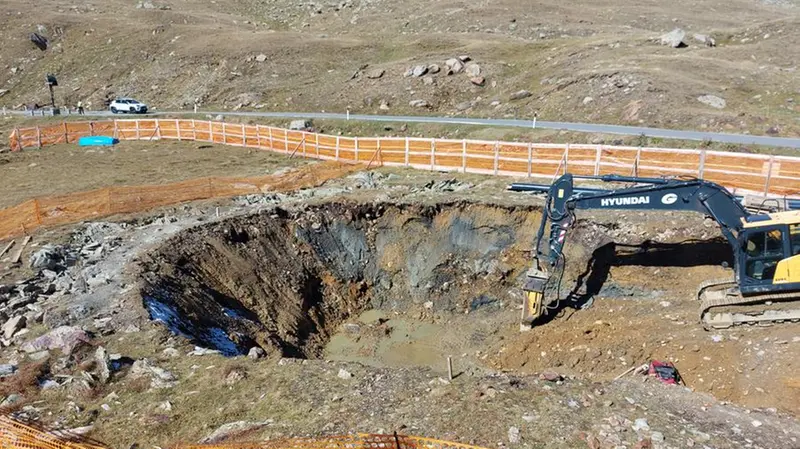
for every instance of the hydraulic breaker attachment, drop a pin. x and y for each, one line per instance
(533, 303)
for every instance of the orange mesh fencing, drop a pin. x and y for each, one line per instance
(75, 207)
(740, 172)
(17, 435)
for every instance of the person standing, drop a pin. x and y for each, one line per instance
(80, 107)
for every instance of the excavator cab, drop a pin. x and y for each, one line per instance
(770, 253)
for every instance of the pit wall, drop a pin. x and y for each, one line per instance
(741, 173)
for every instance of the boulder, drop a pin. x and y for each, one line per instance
(7, 369)
(261, 58)
(674, 38)
(478, 80)
(713, 101)
(159, 377)
(47, 257)
(472, 70)
(375, 74)
(65, 338)
(519, 95)
(103, 366)
(418, 103)
(434, 69)
(454, 66)
(706, 40)
(232, 429)
(419, 71)
(256, 353)
(13, 326)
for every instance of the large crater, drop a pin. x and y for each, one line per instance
(286, 280)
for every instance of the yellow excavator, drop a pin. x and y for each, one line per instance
(766, 271)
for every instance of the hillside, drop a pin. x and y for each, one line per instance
(598, 61)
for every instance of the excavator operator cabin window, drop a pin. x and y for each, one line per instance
(764, 251)
(794, 235)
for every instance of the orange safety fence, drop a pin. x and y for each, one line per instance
(74, 207)
(17, 435)
(741, 173)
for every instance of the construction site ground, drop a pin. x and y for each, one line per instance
(437, 275)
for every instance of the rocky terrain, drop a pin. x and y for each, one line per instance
(724, 66)
(333, 310)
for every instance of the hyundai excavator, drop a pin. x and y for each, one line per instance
(766, 270)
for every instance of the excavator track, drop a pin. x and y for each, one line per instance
(723, 306)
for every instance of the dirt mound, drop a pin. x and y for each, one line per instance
(285, 280)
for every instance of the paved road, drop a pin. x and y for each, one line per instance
(742, 139)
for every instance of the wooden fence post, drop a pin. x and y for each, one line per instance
(210, 131)
(464, 156)
(305, 153)
(337, 148)
(38, 137)
(356, 148)
(19, 139)
(66, 133)
(701, 170)
(91, 128)
(258, 135)
(194, 130)
(138, 135)
(433, 154)
(285, 141)
(375, 155)
(496, 157)
(108, 200)
(178, 128)
(37, 211)
(566, 159)
(636, 162)
(271, 142)
(597, 160)
(316, 143)
(769, 175)
(530, 159)
(407, 151)
(224, 135)
(244, 136)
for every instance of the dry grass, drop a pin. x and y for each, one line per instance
(69, 168)
(25, 381)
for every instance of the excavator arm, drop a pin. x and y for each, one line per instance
(650, 194)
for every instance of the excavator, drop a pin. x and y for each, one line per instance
(766, 264)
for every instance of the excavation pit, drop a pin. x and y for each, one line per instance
(297, 281)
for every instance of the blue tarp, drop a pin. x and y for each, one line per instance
(91, 141)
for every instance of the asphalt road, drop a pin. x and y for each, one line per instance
(741, 139)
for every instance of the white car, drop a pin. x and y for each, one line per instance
(127, 105)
